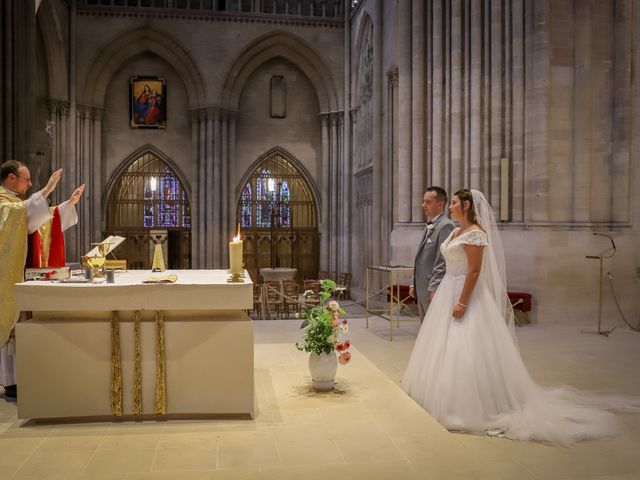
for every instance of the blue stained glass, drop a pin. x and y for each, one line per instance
(264, 200)
(246, 206)
(168, 200)
(285, 205)
(186, 212)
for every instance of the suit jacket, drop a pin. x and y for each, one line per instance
(429, 266)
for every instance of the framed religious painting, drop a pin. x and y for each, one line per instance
(148, 102)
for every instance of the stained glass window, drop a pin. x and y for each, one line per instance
(168, 200)
(285, 206)
(246, 206)
(265, 194)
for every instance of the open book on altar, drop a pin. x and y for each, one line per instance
(113, 241)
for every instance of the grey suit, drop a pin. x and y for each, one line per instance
(429, 266)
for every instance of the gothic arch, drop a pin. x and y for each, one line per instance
(291, 48)
(133, 43)
(363, 38)
(117, 173)
(289, 158)
(49, 23)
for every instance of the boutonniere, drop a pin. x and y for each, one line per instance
(431, 228)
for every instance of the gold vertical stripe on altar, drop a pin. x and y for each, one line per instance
(137, 368)
(116, 367)
(161, 377)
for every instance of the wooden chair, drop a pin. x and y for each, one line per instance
(257, 300)
(344, 281)
(291, 291)
(273, 298)
(313, 298)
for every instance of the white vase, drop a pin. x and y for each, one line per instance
(323, 370)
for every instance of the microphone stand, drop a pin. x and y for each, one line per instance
(608, 253)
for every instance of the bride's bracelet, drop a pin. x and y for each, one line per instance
(462, 305)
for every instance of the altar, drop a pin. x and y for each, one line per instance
(130, 348)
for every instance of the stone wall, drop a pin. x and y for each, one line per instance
(545, 85)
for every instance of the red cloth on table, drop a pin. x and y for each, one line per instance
(525, 305)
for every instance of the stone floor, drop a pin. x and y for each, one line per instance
(368, 428)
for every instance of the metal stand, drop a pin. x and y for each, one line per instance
(601, 257)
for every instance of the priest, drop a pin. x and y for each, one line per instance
(30, 236)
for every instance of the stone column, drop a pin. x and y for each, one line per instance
(226, 227)
(17, 88)
(417, 110)
(232, 173)
(456, 95)
(209, 186)
(518, 181)
(622, 68)
(405, 114)
(215, 192)
(333, 211)
(346, 166)
(437, 116)
(97, 167)
(379, 251)
(324, 201)
(202, 186)
(195, 192)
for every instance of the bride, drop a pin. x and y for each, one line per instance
(466, 369)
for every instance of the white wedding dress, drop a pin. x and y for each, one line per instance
(468, 373)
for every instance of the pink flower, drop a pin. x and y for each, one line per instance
(341, 347)
(333, 305)
(344, 358)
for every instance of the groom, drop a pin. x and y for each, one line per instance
(429, 267)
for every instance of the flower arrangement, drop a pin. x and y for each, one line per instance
(323, 326)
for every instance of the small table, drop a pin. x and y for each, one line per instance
(278, 274)
(396, 303)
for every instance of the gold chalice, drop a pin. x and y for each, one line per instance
(96, 262)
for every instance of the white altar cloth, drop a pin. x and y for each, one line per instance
(64, 351)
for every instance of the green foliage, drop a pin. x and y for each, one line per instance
(321, 323)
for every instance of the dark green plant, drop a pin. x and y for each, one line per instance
(322, 323)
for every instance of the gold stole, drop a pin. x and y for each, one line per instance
(13, 254)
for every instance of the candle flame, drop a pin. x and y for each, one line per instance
(237, 237)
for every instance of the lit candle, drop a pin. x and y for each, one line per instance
(235, 254)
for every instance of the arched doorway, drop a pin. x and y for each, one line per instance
(148, 205)
(278, 216)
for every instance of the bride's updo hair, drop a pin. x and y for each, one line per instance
(465, 195)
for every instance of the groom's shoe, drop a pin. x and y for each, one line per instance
(11, 391)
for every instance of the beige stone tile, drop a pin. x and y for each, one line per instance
(175, 475)
(71, 442)
(257, 455)
(11, 461)
(133, 441)
(204, 439)
(29, 444)
(245, 437)
(194, 457)
(122, 459)
(192, 426)
(56, 462)
(310, 452)
(357, 448)
(73, 476)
